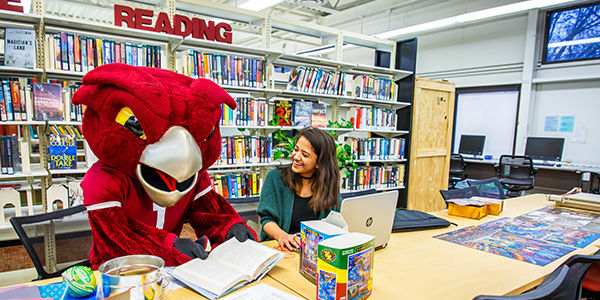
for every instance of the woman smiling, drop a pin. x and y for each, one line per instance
(307, 189)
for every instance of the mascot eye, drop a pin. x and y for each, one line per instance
(211, 133)
(127, 119)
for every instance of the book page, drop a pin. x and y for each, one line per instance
(211, 274)
(249, 257)
(261, 291)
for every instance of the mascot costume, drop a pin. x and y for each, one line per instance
(155, 133)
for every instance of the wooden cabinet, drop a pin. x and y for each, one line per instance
(431, 140)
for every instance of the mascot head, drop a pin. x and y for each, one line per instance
(153, 124)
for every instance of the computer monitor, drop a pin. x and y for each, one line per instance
(544, 148)
(471, 144)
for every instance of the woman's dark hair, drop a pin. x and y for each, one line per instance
(326, 178)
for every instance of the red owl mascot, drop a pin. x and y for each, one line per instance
(155, 133)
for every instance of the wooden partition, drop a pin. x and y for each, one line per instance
(431, 140)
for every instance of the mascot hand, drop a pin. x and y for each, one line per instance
(190, 248)
(240, 232)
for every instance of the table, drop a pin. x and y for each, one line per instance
(416, 266)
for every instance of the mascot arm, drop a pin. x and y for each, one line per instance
(213, 216)
(115, 235)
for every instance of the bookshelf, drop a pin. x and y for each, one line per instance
(269, 89)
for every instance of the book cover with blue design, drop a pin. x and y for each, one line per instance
(62, 152)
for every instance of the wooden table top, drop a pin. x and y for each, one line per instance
(416, 266)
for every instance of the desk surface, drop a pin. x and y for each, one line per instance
(416, 266)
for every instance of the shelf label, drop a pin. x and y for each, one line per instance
(142, 19)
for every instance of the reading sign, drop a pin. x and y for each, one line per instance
(10, 5)
(143, 19)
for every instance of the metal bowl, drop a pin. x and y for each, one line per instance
(140, 275)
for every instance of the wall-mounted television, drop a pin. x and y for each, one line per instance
(572, 33)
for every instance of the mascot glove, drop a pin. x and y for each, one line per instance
(240, 232)
(190, 248)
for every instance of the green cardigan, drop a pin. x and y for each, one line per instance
(276, 203)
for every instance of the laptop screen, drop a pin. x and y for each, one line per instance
(371, 214)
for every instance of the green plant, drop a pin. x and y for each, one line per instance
(343, 123)
(343, 151)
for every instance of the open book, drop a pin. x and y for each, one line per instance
(228, 267)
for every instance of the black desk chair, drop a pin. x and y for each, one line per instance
(516, 173)
(563, 283)
(72, 248)
(457, 170)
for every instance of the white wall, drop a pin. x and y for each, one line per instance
(492, 53)
(579, 99)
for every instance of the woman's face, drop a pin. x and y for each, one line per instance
(304, 158)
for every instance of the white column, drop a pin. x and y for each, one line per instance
(527, 100)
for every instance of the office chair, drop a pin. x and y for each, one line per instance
(563, 283)
(55, 228)
(457, 170)
(459, 193)
(490, 188)
(516, 174)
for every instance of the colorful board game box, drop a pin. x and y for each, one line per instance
(312, 232)
(345, 267)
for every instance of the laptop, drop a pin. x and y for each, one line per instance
(371, 214)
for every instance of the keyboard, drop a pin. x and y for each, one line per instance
(547, 164)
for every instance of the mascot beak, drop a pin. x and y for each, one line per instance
(168, 168)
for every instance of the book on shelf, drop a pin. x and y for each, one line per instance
(62, 152)
(319, 115)
(9, 155)
(19, 47)
(228, 267)
(345, 267)
(47, 101)
(302, 113)
(284, 110)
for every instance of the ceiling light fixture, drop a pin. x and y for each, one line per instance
(258, 5)
(471, 17)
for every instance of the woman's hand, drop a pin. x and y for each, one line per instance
(288, 241)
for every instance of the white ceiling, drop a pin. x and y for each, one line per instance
(367, 17)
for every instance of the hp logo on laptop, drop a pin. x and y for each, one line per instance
(369, 221)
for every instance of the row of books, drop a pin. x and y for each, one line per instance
(66, 130)
(10, 163)
(225, 68)
(374, 177)
(371, 87)
(250, 111)
(236, 185)
(377, 148)
(13, 100)
(372, 117)
(62, 152)
(72, 112)
(73, 52)
(317, 80)
(244, 149)
(300, 113)
(49, 101)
